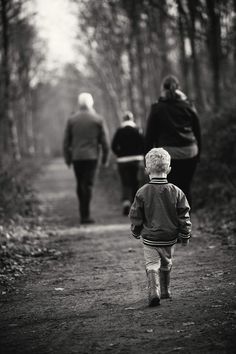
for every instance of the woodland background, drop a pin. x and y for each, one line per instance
(127, 47)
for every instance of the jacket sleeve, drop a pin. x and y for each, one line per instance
(67, 141)
(136, 216)
(183, 210)
(104, 142)
(151, 133)
(114, 143)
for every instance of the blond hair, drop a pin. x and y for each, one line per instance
(157, 161)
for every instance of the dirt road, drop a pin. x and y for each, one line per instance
(93, 299)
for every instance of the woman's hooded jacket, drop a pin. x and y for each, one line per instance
(173, 122)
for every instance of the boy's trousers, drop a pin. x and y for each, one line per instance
(158, 258)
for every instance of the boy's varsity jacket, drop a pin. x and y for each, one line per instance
(160, 214)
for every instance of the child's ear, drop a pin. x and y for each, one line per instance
(169, 170)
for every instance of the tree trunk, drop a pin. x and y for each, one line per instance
(183, 56)
(213, 11)
(133, 79)
(142, 71)
(14, 141)
(161, 23)
(234, 38)
(29, 124)
(10, 131)
(192, 6)
(5, 77)
(110, 92)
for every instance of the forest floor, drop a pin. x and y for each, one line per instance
(87, 293)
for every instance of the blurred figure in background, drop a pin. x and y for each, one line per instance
(85, 134)
(128, 146)
(173, 124)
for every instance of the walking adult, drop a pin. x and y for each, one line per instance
(173, 124)
(85, 136)
(128, 146)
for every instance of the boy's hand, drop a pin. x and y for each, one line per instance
(136, 236)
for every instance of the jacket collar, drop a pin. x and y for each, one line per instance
(128, 123)
(178, 96)
(158, 180)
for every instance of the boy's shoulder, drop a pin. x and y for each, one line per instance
(143, 188)
(176, 188)
(177, 191)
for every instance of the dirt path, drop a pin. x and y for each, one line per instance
(93, 299)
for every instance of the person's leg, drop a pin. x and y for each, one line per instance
(85, 173)
(166, 254)
(123, 169)
(78, 171)
(152, 264)
(134, 182)
(87, 182)
(191, 166)
(181, 174)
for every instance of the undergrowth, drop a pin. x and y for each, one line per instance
(17, 196)
(214, 189)
(20, 235)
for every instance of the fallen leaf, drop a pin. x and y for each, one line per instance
(149, 330)
(188, 323)
(129, 308)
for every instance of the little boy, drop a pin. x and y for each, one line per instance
(160, 215)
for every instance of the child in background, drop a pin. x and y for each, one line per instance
(128, 146)
(160, 215)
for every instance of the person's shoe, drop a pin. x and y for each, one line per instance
(153, 288)
(154, 302)
(87, 221)
(165, 284)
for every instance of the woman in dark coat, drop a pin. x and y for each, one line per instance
(173, 124)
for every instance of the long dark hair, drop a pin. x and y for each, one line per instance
(169, 85)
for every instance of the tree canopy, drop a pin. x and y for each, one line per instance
(125, 48)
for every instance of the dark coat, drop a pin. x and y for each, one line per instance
(172, 123)
(127, 141)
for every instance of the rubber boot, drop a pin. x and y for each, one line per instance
(153, 288)
(165, 284)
